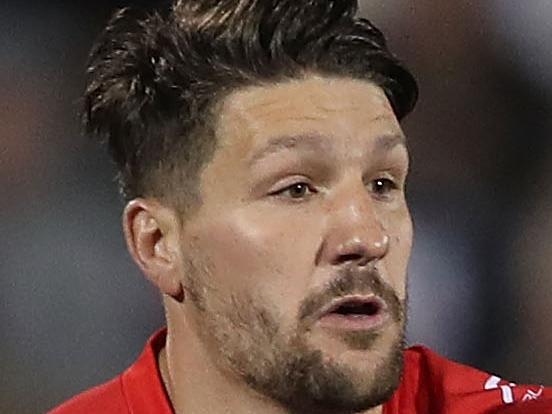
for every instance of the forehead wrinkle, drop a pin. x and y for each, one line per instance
(386, 142)
(382, 143)
(253, 103)
(288, 142)
(252, 112)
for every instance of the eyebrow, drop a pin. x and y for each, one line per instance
(387, 142)
(383, 143)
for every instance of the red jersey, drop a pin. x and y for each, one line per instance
(430, 384)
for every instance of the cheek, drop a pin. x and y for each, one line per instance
(405, 235)
(257, 259)
(245, 252)
(397, 259)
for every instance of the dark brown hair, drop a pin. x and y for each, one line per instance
(153, 80)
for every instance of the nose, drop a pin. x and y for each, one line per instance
(355, 234)
(361, 250)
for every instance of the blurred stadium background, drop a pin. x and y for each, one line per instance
(75, 311)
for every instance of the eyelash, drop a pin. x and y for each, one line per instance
(280, 193)
(391, 185)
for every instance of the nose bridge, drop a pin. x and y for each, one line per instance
(355, 231)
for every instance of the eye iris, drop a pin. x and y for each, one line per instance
(381, 185)
(297, 190)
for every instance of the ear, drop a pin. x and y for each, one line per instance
(152, 234)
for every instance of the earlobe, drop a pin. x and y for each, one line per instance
(151, 234)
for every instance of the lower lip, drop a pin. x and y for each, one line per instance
(353, 322)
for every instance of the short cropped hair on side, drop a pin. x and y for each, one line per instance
(154, 80)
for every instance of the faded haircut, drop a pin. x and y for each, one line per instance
(154, 79)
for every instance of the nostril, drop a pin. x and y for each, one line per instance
(355, 251)
(351, 257)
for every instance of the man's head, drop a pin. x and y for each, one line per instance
(260, 141)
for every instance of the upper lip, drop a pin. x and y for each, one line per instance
(351, 300)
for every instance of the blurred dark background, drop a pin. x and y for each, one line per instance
(75, 311)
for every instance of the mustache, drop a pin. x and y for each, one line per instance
(354, 281)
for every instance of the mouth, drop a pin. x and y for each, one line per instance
(354, 313)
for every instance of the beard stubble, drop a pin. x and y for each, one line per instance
(250, 344)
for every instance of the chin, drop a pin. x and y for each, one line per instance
(326, 370)
(359, 379)
(364, 347)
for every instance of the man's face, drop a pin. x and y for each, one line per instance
(303, 204)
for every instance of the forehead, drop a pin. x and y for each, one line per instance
(341, 108)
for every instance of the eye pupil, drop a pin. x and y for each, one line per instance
(382, 185)
(298, 190)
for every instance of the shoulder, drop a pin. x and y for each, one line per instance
(432, 366)
(443, 385)
(107, 398)
(531, 407)
(139, 389)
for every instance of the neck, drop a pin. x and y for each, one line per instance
(196, 386)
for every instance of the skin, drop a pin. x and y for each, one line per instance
(244, 278)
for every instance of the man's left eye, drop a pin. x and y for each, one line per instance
(383, 186)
